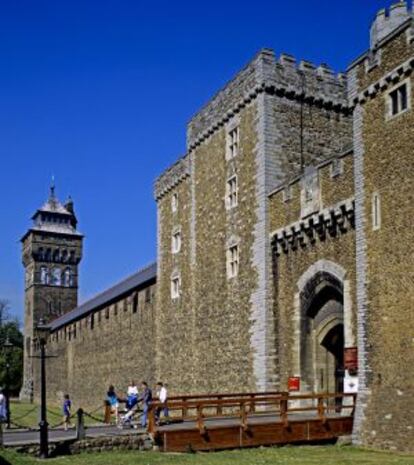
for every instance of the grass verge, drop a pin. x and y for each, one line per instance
(290, 455)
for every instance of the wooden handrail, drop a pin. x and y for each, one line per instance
(221, 395)
(247, 405)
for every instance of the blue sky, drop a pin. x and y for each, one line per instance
(99, 93)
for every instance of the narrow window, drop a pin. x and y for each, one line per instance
(107, 313)
(376, 211)
(232, 143)
(398, 100)
(148, 295)
(56, 277)
(92, 320)
(44, 275)
(174, 202)
(135, 303)
(231, 192)
(233, 261)
(176, 242)
(175, 286)
(116, 309)
(67, 278)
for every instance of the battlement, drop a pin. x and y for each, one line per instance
(265, 73)
(171, 177)
(386, 22)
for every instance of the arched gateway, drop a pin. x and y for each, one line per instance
(322, 334)
(324, 327)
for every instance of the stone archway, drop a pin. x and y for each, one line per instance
(321, 331)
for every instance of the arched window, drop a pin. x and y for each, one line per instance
(56, 255)
(56, 277)
(68, 278)
(44, 275)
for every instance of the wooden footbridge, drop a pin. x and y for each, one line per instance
(222, 421)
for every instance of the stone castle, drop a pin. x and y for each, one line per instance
(283, 249)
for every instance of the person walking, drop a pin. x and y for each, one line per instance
(67, 406)
(3, 407)
(162, 395)
(113, 402)
(146, 399)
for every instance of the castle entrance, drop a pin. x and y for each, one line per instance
(322, 335)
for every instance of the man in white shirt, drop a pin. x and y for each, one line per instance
(162, 395)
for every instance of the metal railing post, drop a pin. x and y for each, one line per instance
(80, 425)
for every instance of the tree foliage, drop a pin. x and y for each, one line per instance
(9, 329)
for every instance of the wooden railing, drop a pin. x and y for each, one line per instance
(198, 408)
(184, 398)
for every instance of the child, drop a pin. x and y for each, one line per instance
(112, 400)
(67, 405)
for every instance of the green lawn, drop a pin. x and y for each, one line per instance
(309, 455)
(27, 415)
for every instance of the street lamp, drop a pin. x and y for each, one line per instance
(42, 332)
(7, 346)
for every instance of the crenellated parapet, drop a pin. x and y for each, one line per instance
(331, 221)
(171, 177)
(387, 21)
(284, 76)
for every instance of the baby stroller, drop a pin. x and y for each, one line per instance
(128, 419)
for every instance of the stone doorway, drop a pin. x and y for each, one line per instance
(332, 371)
(322, 334)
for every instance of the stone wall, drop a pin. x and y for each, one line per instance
(111, 345)
(289, 114)
(222, 305)
(385, 162)
(175, 318)
(302, 246)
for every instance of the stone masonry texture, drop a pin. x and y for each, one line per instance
(387, 170)
(314, 148)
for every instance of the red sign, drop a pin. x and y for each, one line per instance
(351, 358)
(294, 383)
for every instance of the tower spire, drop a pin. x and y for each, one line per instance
(52, 187)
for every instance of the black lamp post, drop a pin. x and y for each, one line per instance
(7, 346)
(42, 331)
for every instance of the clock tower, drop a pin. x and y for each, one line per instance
(52, 251)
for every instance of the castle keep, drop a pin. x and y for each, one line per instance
(283, 248)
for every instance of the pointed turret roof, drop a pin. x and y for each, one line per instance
(55, 217)
(53, 205)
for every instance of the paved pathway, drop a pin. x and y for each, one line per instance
(20, 438)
